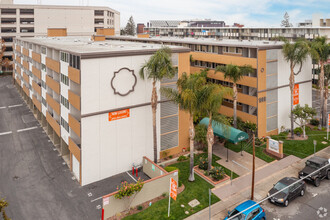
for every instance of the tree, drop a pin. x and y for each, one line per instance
(302, 115)
(210, 103)
(326, 90)
(3, 205)
(122, 31)
(320, 51)
(187, 97)
(159, 66)
(285, 22)
(234, 73)
(130, 27)
(295, 54)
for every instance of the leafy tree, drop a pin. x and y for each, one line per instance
(285, 22)
(295, 54)
(187, 97)
(122, 31)
(234, 73)
(130, 27)
(159, 66)
(3, 205)
(326, 90)
(302, 115)
(320, 51)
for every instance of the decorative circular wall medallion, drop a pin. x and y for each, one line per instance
(262, 70)
(123, 81)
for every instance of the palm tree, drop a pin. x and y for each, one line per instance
(210, 101)
(295, 54)
(320, 51)
(326, 89)
(187, 98)
(159, 66)
(234, 73)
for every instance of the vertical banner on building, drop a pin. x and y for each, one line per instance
(296, 94)
(173, 193)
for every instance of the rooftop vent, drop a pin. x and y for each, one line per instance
(266, 42)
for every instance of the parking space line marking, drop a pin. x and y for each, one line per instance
(96, 199)
(241, 165)
(3, 107)
(4, 133)
(131, 176)
(12, 106)
(27, 129)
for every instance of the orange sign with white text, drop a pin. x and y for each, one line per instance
(329, 119)
(125, 113)
(174, 187)
(296, 94)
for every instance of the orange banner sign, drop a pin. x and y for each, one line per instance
(329, 119)
(174, 186)
(119, 114)
(296, 94)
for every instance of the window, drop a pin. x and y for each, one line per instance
(43, 50)
(44, 102)
(43, 84)
(65, 124)
(65, 102)
(43, 67)
(64, 79)
(253, 214)
(64, 57)
(74, 61)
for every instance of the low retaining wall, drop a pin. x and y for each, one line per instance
(152, 188)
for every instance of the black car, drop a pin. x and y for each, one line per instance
(312, 165)
(283, 197)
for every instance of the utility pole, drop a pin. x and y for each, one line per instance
(253, 167)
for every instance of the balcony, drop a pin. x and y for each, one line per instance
(36, 103)
(26, 78)
(53, 104)
(18, 60)
(53, 64)
(243, 115)
(74, 100)
(18, 70)
(36, 72)
(53, 123)
(74, 74)
(25, 52)
(26, 65)
(245, 99)
(74, 124)
(36, 57)
(74, 149)
(18, 48)
(54, 85)
(36, 87)
(26, 90)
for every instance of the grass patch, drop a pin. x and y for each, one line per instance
(193, 190)
(304, 148)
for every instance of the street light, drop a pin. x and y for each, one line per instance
(314, 142)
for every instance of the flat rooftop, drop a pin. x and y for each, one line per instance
(86, 48)
(207, 41)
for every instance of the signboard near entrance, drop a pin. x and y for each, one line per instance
(296, 94)
(274, 146)
(125, 113)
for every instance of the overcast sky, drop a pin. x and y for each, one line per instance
(248, 12)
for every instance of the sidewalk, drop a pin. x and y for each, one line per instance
(239, 164)
(220, 209)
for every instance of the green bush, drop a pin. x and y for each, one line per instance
(314, 122)
(139, 207)
(182, 158)
(203, 163)
(258, 141)
(171, 156)
(298, 130)
(217, 173)
(170, 169)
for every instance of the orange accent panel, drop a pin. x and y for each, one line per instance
(26, 90)
(246, 80)
(56, 32)
(113, 116)
(53, 64)
(243, 115)
(74, 74)
(53, 123)
(36, 72)
(18, 69)
(98, 38)
(74, 100)
(36, 103)
(36, 87)
(105, 31)
(25, 52)
(26, 78)
(18, 59)
(74, 124)
(224, 59)
(262, 106)
(36, 57)
(26, 65)
(18, 48)
(54, 85)
(143, 36)
(74, 149)
(54, 104)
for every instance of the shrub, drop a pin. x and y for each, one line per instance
(182, 158)
(171, 156)
(164, 194)
(170, 169)
(164, 154)
(298, 130)
(203, 163)
(217, 173)
(140, 207)
(314, 122)
(127, 190)
(258, 141)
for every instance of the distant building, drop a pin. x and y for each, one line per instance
(139, 29)
(206, 23)
(163, 23)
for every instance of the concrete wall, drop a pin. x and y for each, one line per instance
(152, 169)
(151, 189)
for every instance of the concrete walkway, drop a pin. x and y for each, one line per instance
(241, 165)
(220, 209)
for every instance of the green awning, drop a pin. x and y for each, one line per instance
(227, 132)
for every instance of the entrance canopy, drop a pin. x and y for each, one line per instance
(227, 132)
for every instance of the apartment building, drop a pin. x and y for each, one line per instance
(34, 20)
(89, 98)
(264, 95)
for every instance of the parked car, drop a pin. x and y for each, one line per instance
(254, 213)
(311, 166)
(288, 194)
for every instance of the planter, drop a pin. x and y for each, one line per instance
(200, 173)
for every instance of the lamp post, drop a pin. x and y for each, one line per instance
(314, 142)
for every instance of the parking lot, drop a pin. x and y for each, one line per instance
(34, 178)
